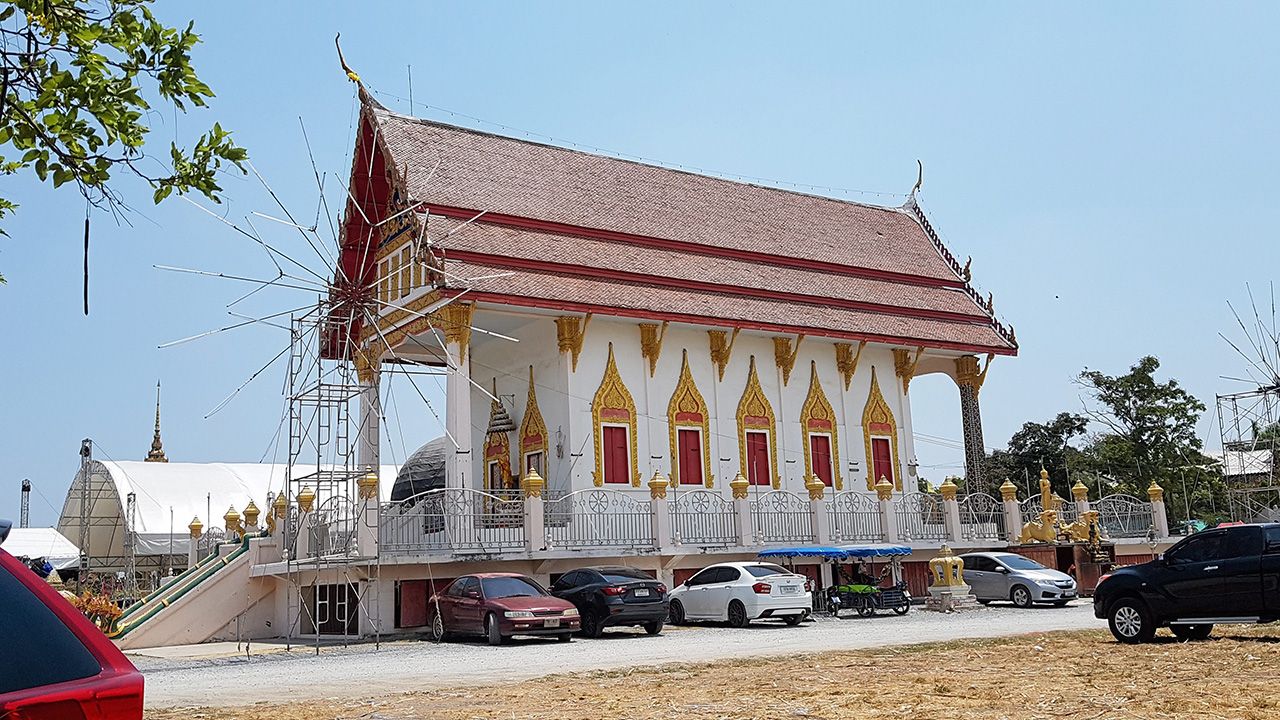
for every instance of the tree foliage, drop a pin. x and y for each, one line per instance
(1038, 445)
(72, 106)
(1135, 430)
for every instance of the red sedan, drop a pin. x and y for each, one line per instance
(57, 665)
(498, 606)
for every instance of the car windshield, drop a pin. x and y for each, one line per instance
(766, 570)
(623, 576)
(1017, 562)
(505, 587)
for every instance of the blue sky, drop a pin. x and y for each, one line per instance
(1109, 167)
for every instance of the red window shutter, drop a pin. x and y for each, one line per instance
(758, 458)
(882, 460)
(690, 448)
(820, 456)
(615, 455)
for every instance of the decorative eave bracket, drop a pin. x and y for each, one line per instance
(570, 333)
(847, 360)
(651, 336)
(904, 366)
(722, 350)
(784, 354)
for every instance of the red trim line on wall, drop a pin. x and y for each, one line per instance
(568, 306)
(507, 261)
(558, 228)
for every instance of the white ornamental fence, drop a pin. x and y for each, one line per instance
(598, 518)
(855, 517)
(981, 517)
(779, 516)
(451, 519)
(704, 518)
(1124, 516)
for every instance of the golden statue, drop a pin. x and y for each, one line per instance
(1087, 529)
(1046, 528)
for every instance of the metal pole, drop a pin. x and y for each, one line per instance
(86, 460)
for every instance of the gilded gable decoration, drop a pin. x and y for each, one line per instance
(651, 335)
(687, 409)
(613, 404)
(904, 366)
(533, 431)
(847, 360)
(817, 416)
(497, 445)
(722, 349)
(877, 420)
(785, 355)
(755, 413)
(570, 332)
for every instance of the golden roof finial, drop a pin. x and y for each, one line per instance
(157, 448)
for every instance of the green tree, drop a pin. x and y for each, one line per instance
(1038, 445)
(72, 108)
(1149, 434)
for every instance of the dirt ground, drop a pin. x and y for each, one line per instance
(1083, 675)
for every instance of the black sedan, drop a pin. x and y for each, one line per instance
(614, 597)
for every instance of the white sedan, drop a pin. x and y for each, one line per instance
(739, 592)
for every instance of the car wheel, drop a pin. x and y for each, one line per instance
(1131, 622)
(675, 613)
(492, 631)
(565, 637)
(591, 626)
(653, 628)
(437, 629)
(737, 614)
(793, 620)
(1020, 596)
(1191, 632)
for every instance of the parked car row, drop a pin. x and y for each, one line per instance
(498, 606)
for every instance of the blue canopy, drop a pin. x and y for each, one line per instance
(820, 551)
(844, 552)
(865, 551)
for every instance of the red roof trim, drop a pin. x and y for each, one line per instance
(564, 305)
(663, 281)
(525, 223)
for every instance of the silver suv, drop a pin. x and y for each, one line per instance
(1009, 576)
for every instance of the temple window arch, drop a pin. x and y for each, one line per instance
(497, 447)
(880, 431)
(533, 435)
(613, 417)
(690, 433)
(757, 434)
(821, 435)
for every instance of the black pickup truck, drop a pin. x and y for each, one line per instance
(1223, 575)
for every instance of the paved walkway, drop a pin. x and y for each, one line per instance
(405, 666)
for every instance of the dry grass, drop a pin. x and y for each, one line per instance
(1082, 675)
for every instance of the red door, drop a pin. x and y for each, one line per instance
(615, 455)
(758, 458)
(881, 460)
(689, 444)
(820, 456)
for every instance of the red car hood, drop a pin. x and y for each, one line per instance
(532, 604)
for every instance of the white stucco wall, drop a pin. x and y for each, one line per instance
(565, 398)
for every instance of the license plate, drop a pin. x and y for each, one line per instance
(551, 622)
(642, 592)
(1069, 593)
(790, 589)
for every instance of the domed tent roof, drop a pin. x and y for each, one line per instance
(422, 471)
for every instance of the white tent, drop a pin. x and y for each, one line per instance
(167, 496)
(43, 542)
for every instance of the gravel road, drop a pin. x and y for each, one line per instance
(406, 666)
